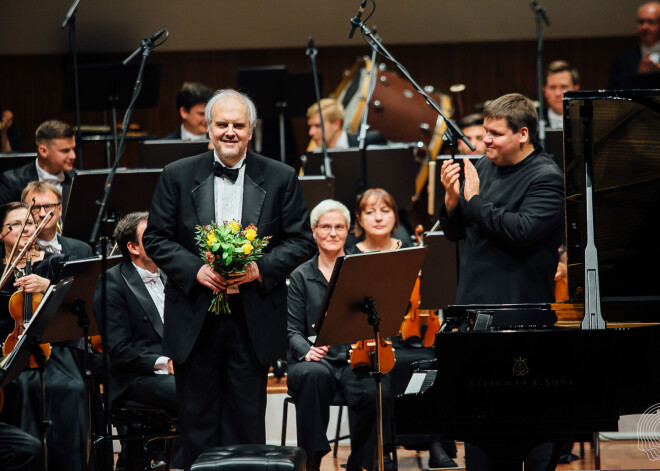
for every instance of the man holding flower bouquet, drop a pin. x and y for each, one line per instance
(227, 227)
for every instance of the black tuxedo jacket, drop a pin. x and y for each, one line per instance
(134, 338)
(176, 135)
(184, 199)
(76, 249)
(624, 66)
(13, 181)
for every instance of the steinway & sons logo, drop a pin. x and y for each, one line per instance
(520, 367)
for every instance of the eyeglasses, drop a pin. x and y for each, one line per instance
(36, 209)
(17, 225)
(327, 228)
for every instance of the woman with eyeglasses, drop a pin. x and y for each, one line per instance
(65, 389)
(316, 374)
(377, 218)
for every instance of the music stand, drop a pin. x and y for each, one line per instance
(158, 153)
(317, 188)
(355, 287)
(13, 160)
(388, 167)
(133, 191)
(28, 344)
(277, 94)
(439, 279)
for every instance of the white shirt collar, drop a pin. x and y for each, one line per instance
(342, 141)
(188, 136)
(238, 164)
(556, 121)
(649, 50)
(44, 176)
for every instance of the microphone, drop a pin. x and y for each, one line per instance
(310, 46)
(355, 21)
(539, 10)
(156, 36)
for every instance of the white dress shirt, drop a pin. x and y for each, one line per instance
(188, 136)
(156, 290)
(49, 177)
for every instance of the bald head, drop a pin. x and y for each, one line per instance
(648, 23)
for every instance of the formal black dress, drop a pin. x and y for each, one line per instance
(314, 384)
(66, 397)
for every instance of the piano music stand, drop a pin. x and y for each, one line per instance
(355, 287)
(133, 189)
(28, 344)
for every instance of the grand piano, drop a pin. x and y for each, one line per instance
(507, 385)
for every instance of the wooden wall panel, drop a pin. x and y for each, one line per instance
(32, 85)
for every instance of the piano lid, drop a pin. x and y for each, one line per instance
(619, 132)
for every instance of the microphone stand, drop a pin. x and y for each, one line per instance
(539, 15)
(146, 46)
(311, 52)
(71, 21)
(376, 45)
(364, 127)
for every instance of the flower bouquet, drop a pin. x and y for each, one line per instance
(228, 249)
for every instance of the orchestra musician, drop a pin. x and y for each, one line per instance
(135, 301)
(377, 218)
(645, 58)
(317, 373)
(19, 451)
(221, 361)
(509, 213)
(54, 164)
(472, 126)
(48, 198)
(191, 101)
(559, 77)
(65, 389)
(333, 123)
(10, 137)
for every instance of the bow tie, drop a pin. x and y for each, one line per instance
(148, 277)
(220, 170)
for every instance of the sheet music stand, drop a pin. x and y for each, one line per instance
(132, 191)
(277, 94)
(439, 279)
(317, 188)
(158, 153)
(14, 160)
(78, 300)
(388, 167)
(14, 363)
(356, 286)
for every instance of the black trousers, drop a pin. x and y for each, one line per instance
(313, 384)
(221, 387)
(18, 449)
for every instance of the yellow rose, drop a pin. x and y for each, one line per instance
(250, 234)
(211, 239)
(247, 248)
(234, 226)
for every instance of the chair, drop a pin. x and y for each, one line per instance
(339, 401)
(143, 422)
(251, 458)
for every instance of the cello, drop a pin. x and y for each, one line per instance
(419, 326)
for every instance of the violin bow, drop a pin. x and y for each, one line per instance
(10, 269)
(18, 239)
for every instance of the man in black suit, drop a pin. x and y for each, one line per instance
(559, 77)
(55, 156)
(221, 361)
(643, 59)
(190, 103)
(139, 370)
(48, 198)
(333, 124)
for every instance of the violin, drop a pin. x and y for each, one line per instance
(21, 307)
(95, 342)
(363, 353)
(419, 326)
